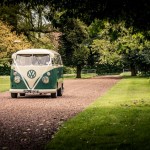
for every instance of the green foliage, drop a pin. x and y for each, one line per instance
(43, 42)
(118, 120)
(131, 47)
(112, 40)
(108, 69)
(95, 27)
(118, 44)
(72, 43)
(4, 69)
(30, 19)
(88, 10)
(69, 70)
(8, 14)
(10, 42)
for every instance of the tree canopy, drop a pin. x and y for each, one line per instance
(119, 35)
(10, 42)
(118, 44)
(135, 13)
(73, 44)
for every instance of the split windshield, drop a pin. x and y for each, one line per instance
(32, 59)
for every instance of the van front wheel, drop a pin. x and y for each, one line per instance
(14, 95)
(59, 92)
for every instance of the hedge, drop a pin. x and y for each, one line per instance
(4, 70)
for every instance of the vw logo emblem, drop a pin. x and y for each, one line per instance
(31, 74)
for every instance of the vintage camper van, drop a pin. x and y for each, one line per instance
(36, 71)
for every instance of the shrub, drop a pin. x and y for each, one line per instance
(4, 69)
(69, 70)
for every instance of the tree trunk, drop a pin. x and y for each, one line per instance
(39, 20)
(78, 71)
(133, 70)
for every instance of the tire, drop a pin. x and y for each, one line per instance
(60, 92)
(22, 94)
(54, 95)
(14, 95)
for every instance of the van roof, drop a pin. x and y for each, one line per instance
(36, 51)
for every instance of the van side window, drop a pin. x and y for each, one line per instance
(57, 60)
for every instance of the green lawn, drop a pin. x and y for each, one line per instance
(120, 120)
(4, 83)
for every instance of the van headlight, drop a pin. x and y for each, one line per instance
(17, 79)
(45, 79)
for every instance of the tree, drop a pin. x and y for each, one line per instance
(8, 14)
(117, 43)
(73, 44)
(104, 42)
(10, 42)
(130, 46)
(132, 13)
(31, 21)
(136, 14)
(143, 62)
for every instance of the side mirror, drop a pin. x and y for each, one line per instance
(13, 56)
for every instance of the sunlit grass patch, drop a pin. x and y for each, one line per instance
(4, 83)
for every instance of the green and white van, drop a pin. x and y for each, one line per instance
(36, 71)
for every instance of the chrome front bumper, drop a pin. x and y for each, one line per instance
(33, 90)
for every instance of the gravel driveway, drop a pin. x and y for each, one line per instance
(28, 123)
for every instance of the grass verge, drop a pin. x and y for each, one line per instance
(119, 120)
(4, 83)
